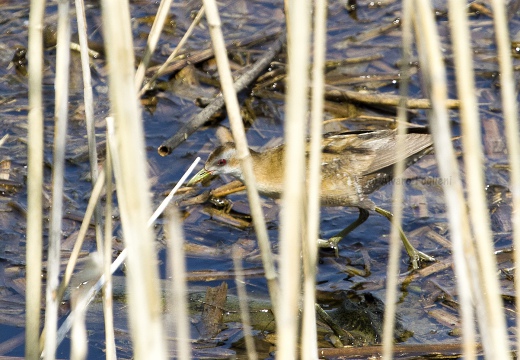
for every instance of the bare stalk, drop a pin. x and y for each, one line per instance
(79, 347)
(71, 264)
(178, 301)
(296, 106)
(237, 127)
(242, 302)
(34, 182)
(392, 276)
(174, 53)
(495, 327)
(310, 250)
(510, 110)
(60, 134)
(461, 38)
(132, 185)
(88, 99)
(107, 259)
(153, 38)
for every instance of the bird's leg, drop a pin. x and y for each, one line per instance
(332, 243)
(414, 254)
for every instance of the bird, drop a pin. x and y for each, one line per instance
(354, 165)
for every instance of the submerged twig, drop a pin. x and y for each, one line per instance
(332, 92)
(196, 57)
(245, 80)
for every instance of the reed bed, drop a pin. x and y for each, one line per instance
(291, 280)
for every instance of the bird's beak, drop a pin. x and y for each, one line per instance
(199, 177)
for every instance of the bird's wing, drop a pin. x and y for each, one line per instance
(387, 155)
(379, 148)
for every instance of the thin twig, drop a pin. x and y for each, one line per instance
(492, 319)
(469, 114)
(92, 203)
(484, 282)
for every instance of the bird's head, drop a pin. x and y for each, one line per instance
(223, 160)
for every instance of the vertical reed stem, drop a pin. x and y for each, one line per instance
(510, 109)
(242, 302)
(494, 328)
(178, 301)
(60, 133)
(111, 353)
(466, 91)
(296, 107)
(398, 189)
(34, 182)
(88, 99)
(310, 250)
(153, 38)
(130, 168)
(237, 127)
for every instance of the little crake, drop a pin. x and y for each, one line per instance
(354, 164)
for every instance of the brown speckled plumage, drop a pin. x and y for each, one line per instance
(353, 165)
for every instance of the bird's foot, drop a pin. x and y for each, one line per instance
(416, 256)
(331, 243)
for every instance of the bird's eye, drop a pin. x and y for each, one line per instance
(221, 162)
